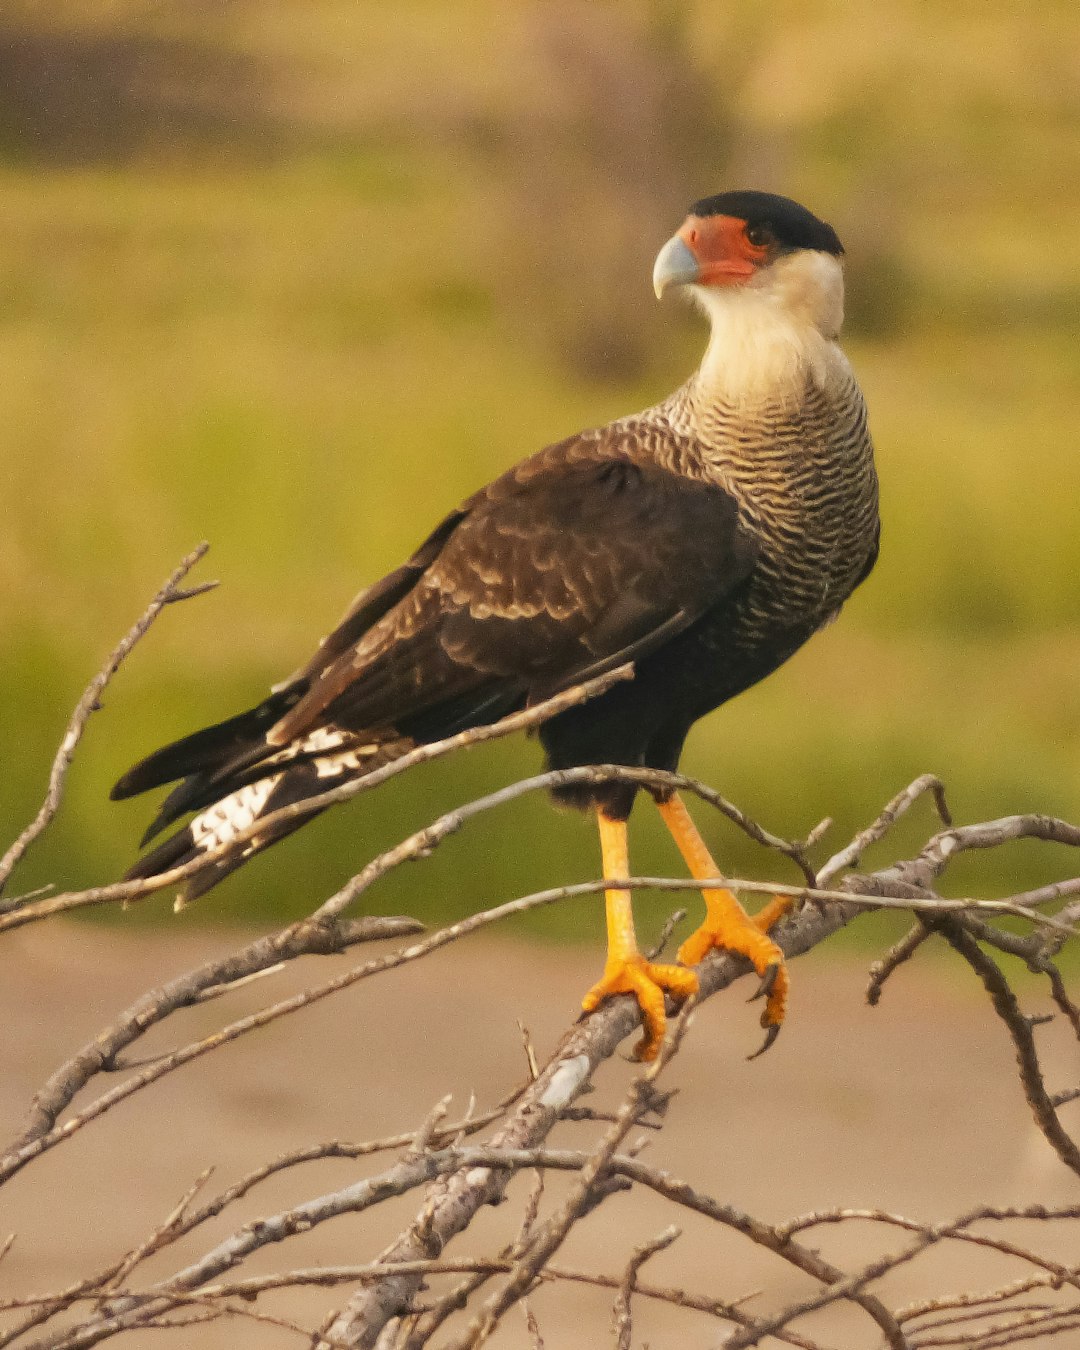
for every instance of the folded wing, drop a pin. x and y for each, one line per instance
(584, 557)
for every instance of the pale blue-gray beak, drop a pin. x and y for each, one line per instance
(675, 266)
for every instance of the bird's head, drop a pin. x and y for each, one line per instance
(758, 246)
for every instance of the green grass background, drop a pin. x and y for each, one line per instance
(295, 278)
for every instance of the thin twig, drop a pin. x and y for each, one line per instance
(1019, 1027)
(546, 1241)
(452, 1181)
(876, 831)
(60, 1089)
(897, 954)
(622, 1324)
(88, 705)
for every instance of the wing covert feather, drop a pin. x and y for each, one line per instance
(574, 561)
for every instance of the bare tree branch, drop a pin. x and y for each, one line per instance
(91, 703)
(415, 1289)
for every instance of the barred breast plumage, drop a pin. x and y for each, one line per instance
(800, 465)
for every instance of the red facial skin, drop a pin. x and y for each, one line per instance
(724, 254)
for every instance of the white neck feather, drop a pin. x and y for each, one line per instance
(769, 335)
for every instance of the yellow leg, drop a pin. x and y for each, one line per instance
(727, 925)
(626, 971)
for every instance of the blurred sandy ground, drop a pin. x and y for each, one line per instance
(913, 1107)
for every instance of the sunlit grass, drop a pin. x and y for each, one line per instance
(308, 360)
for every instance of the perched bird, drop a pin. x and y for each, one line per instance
(704, 539)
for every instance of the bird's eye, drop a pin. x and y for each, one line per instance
(758, 235)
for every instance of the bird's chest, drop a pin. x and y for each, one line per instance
(809, 500)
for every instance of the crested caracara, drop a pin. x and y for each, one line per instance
(704, 539)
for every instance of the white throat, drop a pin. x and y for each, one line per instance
(771, 334)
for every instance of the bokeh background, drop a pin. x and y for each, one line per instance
(296, 277)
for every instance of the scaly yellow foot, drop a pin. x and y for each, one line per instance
(626, 971)
(633, 974)
(727, 925)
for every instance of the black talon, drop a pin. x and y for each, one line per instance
(765, 988)
(770, 1036)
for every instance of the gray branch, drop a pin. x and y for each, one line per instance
(453, 1179)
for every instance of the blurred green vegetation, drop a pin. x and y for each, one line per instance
(296, 278)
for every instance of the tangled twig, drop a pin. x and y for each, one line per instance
(415, 1290)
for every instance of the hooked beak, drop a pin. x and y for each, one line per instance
(708, 251)
(675, 266)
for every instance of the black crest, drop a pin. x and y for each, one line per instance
(792, 226)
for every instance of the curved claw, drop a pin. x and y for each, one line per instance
(771, 1034)
(765, 988)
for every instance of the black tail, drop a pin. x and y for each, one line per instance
(207, 750)
(232, 777)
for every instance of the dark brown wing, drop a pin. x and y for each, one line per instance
(585, 556)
